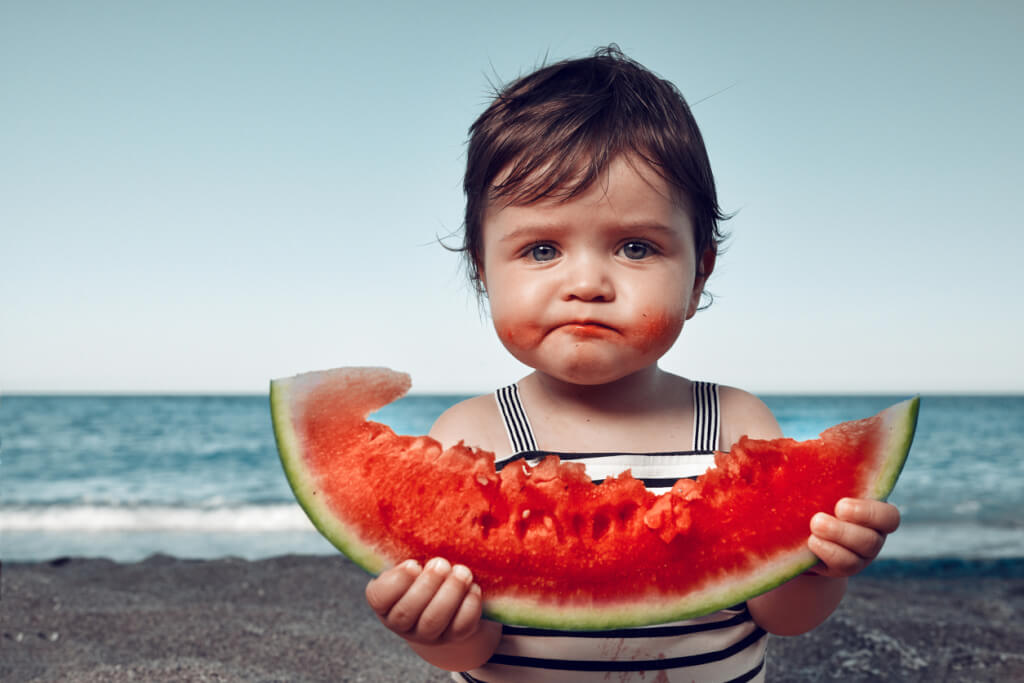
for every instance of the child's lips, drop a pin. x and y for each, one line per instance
(588, 328)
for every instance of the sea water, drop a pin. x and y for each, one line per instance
(198, 476)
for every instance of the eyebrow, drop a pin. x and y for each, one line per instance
(528, 230)
(623, 228)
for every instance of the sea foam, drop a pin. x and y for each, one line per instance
(154, 518)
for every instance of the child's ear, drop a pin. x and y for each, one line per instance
(705, 265)
(481, 278)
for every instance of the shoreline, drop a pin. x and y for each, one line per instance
(303, 618)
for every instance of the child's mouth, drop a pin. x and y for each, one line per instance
(588, 329)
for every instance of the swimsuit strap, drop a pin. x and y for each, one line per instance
(705, 417)
(517, 425)
(706, 425)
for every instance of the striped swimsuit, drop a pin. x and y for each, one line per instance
(724, 646)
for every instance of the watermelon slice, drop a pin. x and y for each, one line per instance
(549, 547)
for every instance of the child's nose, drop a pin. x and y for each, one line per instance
(588, 280)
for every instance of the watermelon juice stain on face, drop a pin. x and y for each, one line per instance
(655, 329)
(589, 352)
(520, 336)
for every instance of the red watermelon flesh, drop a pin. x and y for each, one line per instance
(549, 547)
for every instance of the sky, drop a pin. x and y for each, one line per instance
(198, 197)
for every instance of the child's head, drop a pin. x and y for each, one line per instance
(554, 132)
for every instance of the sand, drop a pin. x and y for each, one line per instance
(303, 618)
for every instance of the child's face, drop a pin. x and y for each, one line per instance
(594, 289)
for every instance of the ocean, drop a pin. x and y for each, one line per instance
(125, 477)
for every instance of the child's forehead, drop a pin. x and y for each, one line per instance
(625, 202)
(551, 183)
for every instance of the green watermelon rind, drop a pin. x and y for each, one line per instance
(898, 422)
(304, 485)
(656, 610)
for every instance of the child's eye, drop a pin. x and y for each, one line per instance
(636, 251)
(543, 252)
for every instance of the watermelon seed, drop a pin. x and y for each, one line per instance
(526, 514)
(482, 480)
(577, 525)
(626, 513)
(487, 522)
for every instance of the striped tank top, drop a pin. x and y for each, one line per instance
(724, 646)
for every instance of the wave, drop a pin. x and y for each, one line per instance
(131, 532)
(154, 518)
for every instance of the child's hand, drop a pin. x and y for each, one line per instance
(848, 542)
(434, 605)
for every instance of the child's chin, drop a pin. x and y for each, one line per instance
(592, 374)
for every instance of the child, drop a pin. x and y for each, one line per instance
(591, 228)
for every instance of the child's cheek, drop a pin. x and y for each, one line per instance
(655, 329)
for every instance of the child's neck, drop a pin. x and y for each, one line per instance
(634, 392)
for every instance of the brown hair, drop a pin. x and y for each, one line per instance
(553, 132)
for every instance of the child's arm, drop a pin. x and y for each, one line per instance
(845, 543)
(437, 611)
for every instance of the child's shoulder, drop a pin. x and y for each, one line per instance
(476, 421)
(742, 413)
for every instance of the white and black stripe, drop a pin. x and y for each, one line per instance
(517, 425)
(706, 425)
(659, 664)
(725, 646)
(754, 674)
(706, 419)
(657, 471)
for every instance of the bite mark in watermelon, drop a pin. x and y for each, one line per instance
(549, 547)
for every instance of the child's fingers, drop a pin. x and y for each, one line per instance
(860, 540)
(404, 614)
(881, 516)
(467, 619)
(437, 616)
(836, 560)
(384, 591)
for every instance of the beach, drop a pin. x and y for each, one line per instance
(303, 618)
